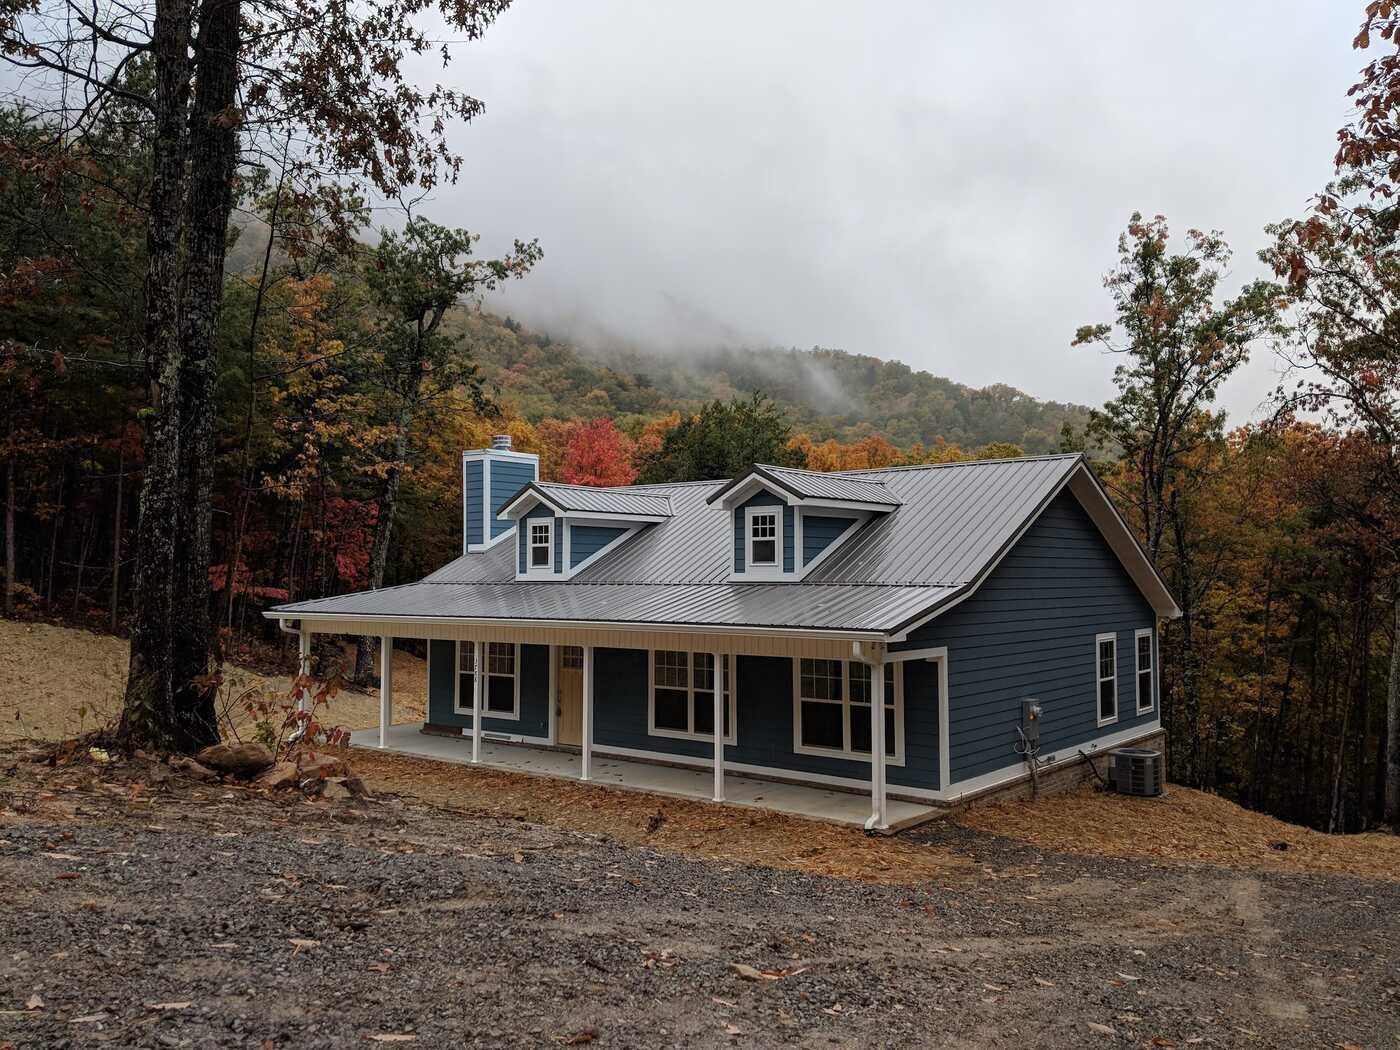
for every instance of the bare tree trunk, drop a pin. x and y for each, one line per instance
(53, 537)
(117, 536)
(169, 698)
(10, 522)
(147, 707)
(1392, 723)
(84, 548)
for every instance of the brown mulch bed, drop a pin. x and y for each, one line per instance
(698, 829)
(1184, 825)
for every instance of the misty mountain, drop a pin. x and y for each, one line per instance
(827, 393)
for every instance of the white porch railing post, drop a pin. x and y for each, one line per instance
(878, 818)
(586, 771)
(478, 699)
(719, 725)
(386, 688)
(303, 667)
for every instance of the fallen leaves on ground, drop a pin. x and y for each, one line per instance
(695, 828)
(1183, 825)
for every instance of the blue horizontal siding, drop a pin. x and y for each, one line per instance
(587, 540)
(1028, 633)
(473, 497)
(820, 531)
(765, 719)
(508, 476)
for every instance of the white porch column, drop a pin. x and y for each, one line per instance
(478, 696)
(303, 667)
(718, 658)
(386, 688)
(586, 773)
(878, 817)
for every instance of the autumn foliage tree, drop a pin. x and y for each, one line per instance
(1341, 264)
(597, 453)
(212, 85)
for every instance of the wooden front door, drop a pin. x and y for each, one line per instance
(568, 694)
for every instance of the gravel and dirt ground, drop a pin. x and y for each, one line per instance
(148, 914)
(475, 907)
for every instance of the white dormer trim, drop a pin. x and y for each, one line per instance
(767, 570)
(533, 571)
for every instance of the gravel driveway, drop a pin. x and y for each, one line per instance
(220, 919)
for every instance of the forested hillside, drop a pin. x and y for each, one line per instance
(825, 393)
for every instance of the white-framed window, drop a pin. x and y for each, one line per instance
(764, 538)
(1106, 677)
(500, 680)
(1142, 643)
(682, 695)
(539, 553)
(831, 709)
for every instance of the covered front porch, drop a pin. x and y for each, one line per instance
(813, 725)
(798, 800)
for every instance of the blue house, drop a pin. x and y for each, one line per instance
(877, 631)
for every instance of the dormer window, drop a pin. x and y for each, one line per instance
(541, 552)
(763, 538)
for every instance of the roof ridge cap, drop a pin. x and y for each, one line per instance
(962, 463)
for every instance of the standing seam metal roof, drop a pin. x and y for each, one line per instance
(583, 499)
(952, 522)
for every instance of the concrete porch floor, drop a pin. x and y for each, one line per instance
(812, 803)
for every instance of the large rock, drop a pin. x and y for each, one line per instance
(320, 765)
(280, 777)
(236, 760)
(190, 768)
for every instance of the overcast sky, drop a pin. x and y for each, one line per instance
(941, 183)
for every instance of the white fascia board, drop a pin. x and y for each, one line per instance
(530, 498)
(752, 485)
(816, 503)
(594, 517)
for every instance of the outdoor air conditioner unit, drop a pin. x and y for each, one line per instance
(1135, 771)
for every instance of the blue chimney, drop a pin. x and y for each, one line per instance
(490, 477)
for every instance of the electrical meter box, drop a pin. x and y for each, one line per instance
(1030, 720)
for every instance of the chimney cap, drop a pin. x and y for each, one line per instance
(500, 442)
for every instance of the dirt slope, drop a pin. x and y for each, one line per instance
(58, 681)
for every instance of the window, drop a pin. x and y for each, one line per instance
(1143, 640)
(832, 709)
(763, 538)
(683, 695)
(500, 680)
(541, 545)
(1106, 670)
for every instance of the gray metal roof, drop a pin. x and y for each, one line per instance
(585, 499)
(840, 607)
(813, 484)
(952, 523)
